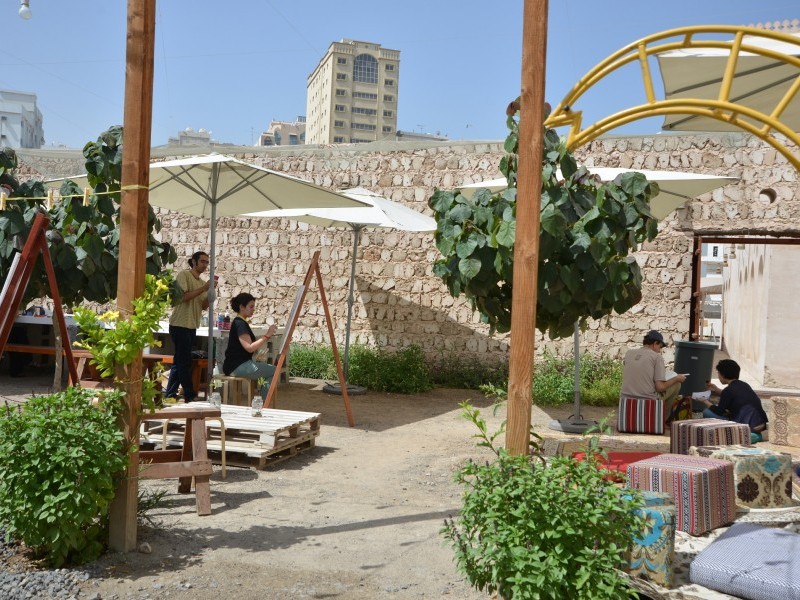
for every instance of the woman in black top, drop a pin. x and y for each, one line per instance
(242, 344)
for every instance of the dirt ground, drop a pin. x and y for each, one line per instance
(356, 517)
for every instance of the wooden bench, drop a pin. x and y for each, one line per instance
(185, 463)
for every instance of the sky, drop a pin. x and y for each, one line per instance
(232, 67)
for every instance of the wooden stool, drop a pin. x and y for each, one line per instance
(237, 390)
(189, 462)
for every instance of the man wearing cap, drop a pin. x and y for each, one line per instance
(643, 373)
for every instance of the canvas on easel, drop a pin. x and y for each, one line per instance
(294, 315)
(18, 277)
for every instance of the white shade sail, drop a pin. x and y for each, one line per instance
(676, 187)
(759, 82)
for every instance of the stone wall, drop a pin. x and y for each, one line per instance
(400, 302)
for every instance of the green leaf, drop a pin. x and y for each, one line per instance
(506, 233)
(469, 267)
(465, 248)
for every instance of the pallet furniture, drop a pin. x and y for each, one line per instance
(191, 460)
(706, 432)
(763, 478)
(702, 488)
(251, 441)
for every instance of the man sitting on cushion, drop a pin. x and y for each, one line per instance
(643, 373)
(737, 401)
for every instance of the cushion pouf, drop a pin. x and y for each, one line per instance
(640, 415)
(617, 461)
(702, 488)
(753, 562)
(707, 432)
(651, 554)
(763, 478)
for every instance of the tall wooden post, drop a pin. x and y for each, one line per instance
(526, 246)
(133, 241)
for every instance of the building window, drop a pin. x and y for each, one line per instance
(363, 126)
(387, 129)
(341, 92)
(388, 82)
(359, 141)
(390, 67)
(387, 113)
(341, 76)
(388, 98)
(365, 95)
(339, 108)
(340, 60)
(277, 136)
(293, 139)
(338, 123)
(714, 251)
(364, 111)
(338, 139)
(365, 69)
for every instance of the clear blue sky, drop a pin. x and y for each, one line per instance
(231, 67)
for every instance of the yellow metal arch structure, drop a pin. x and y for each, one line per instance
(764, 126)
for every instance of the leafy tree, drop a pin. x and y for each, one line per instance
(84, 236)
(588, 229)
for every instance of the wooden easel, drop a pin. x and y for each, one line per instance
(14, 287)
(313, 270)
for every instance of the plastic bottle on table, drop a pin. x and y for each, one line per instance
(257, 405)
(220, 319)
(215, 399)
(227, 322)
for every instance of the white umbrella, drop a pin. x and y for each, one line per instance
(380, 212)
(215, 185)
(675, 187)
(760, 82)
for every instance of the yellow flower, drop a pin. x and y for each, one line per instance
(111, 315)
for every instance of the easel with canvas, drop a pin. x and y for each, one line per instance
(294, 314)
(14, 287)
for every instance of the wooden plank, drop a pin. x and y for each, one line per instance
(187, 468)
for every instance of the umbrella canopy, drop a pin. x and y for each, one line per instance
(381, 212)
(675, 187)
(215, 185)
(759, 82)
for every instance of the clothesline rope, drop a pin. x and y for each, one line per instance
(52, 195)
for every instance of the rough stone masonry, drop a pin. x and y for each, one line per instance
(398, 300)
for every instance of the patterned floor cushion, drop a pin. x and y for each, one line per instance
(651, 554)
(753, 562)
(763, 478)
(702, 488)
(640, 415)
(706, 432)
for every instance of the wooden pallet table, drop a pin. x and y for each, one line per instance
(250, 441)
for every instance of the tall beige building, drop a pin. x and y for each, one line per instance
(352, 94)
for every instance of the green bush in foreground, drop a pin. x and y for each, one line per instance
(59, 462)
(535, 530)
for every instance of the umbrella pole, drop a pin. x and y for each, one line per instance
(335, 388)
(351, 300)
(576, 423)
(212, 293)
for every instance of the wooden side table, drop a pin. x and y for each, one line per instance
(186, 463)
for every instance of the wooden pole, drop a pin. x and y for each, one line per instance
(526, 247)
(133, 242)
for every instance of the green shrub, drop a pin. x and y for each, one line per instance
(535, 530)
(554, 379)
(451, 370)
(60, 458)
(315, 362)
(404, 371)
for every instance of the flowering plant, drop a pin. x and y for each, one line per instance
(114, 342)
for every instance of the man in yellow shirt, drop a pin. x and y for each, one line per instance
(183, 325)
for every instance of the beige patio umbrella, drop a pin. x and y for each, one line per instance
(215, 185)
(675, 189)
(379, 212)
(759, 82)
